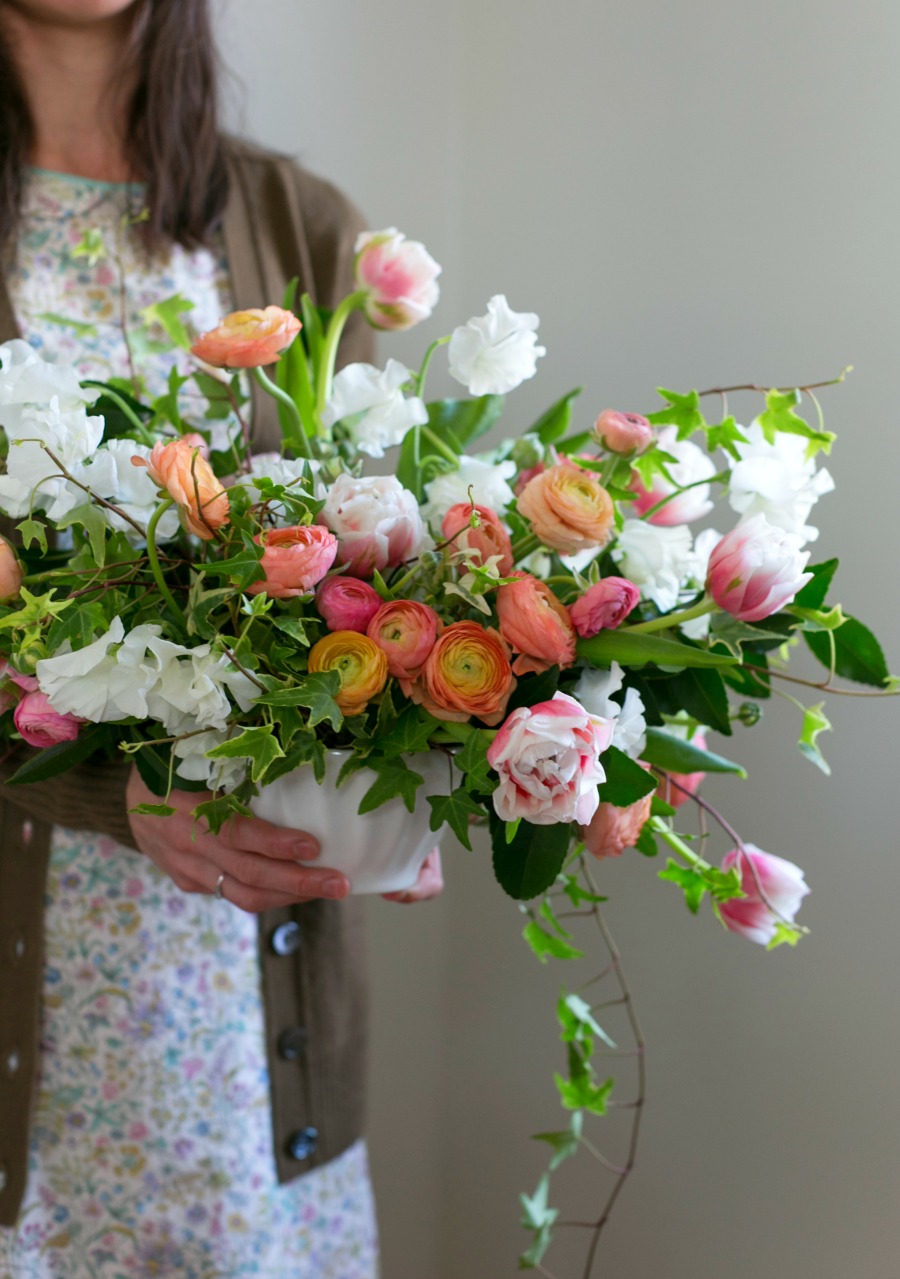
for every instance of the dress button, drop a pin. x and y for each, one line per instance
(285, 939)
(303, 1143)
(292, 1042)
(12, 1063)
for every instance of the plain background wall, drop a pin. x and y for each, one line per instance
(688, 194)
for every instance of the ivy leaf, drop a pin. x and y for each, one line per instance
(167, 314)
(472, 761)
(668, 752)
(531, 862)
(857, 653)
(546, 946)
(565, 1143)
(91, 246)
(316, 692)
(216, 812)
(576, 893)
(626, 782)
(814, 723)
(35, 609)
(683, 412)
(455, 809)
(32, 530)
(94, 524)
(577, 1021)
(580, 1091)
(630, 649)
(688, 880)
(243, 568)
(814, 593)
(725, 436)
(819, 619)
(537, 1216)
(411, 733)
(292, 627)
(552, 425)
(779, 415)
(153, 810)
(785, 934)
(256, 744)
(395, 777)
(733, 633)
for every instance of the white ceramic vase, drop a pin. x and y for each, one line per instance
(379, 852)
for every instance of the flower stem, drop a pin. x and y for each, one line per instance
(283, 398)
(122, 404)
(325, 373)
(420, 376)
(525, 546)
(437, 443)
(153, 557)
(706, 605)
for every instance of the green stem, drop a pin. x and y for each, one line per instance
(525, 546)
(283, 398)
(437, 443)
(153, 557)
(719, 477)
(706, 605)
(125, 407)
(677, 845)
(420, 377)
(325, 373)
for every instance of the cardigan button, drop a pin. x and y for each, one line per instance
(303, 1143)
(3, 1178)
(285, 939)
(291, 1043)
(27, 831)
(13, 1061)
(18, 949)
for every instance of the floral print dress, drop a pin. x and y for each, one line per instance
(151, 1151)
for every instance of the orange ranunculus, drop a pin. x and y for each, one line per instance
(10, 571)
(248, 339)
(568, 509)
(466, 673)
(535, 624)
(406, 630)
(362, 666)
(489, 536)
(294, 560)
(180, 469)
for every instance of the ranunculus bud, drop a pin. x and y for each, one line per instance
(294, 560)
(361, 663)
(399, 278)
(604, 606)
(612, 830)
(691, 465)
(180, 469)
(624, 433)
(756, 569)
(466, 674)
(248, 339)
(40, 725)
(376, 521)
(406, 631)
(535, 624)
(10, 571)
(488, 536)
(568, 508)
(347, 604)
(781, 882)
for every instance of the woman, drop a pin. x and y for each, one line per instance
(173, 1121)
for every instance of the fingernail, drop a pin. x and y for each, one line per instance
(305, 851)
(335, 887)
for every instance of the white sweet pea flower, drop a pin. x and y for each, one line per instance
(192, 690)
(777, 480)
(287, 472)
(486, 478)
(33, 480)
(657, 559)
(104, 681)
(371, 404)
(594, 691)
(218, 774)
(28, 379)
(134, 492)
(496, 352)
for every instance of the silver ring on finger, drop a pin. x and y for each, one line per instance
(217, 891)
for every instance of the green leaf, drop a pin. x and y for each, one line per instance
(727, 436)
(455, 809)
(814, 593)
(552, 425)
(727, 630)
(646, 841)
(676, 756)
(53, 760)
(411, 733)
(316, 692)
(579, 1091)
(395, 778)
(702, 694)
(814, 723)
(256, 744)
(785, 934)
(683, 412)
(546, 946)
(167, 314)
(292, 627)
(858, 655)
(564, 1144)
(94, 524)
(313, 330)
(216, 812)
(626, 782)
(688, 880)
(531, 863)
(779, 415)
(578, 1023)
(630, 649)
(244, 568)
(472, 761)
(153, 810)
(91, 246)
(78, 327)
(33, 531)
(819, 619)
(576, 894)
(459, 422)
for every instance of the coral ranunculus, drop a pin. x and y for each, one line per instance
(569, 509)
(406, 631)
(180, 469)
(248, 339)
(466, 673)
(612, 830)
(294, 560)
(535, 624)
(362, 665)
(488, 537)
(347, 604)
(10, 571)
(604, 606)
(624, 433)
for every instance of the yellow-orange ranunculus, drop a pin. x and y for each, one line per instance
(248, 339)
(568, 508)
(466, 673)
(181, 469)
(362, 665)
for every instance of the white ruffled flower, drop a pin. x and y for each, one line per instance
(218, 774)
(192, 690)
(486, 478)
(496, 352)
(287, 472)
(371, 404)
(656, 558)
(777, 480)
(27, 379)
(594, 691)
(33, 480)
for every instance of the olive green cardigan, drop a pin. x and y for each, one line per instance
(280, 222)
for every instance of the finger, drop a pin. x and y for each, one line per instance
(259, 871)
(429, 883)
(255, 835)
(254, 901)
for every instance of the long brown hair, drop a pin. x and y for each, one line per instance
(172, 139)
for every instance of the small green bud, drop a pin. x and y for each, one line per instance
(749, 713)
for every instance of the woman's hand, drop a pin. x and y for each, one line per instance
(258, 860)
(428, 885)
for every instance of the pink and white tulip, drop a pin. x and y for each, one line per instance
(624, 433)
(40, 725)
(604, 606)
(691, 465)
(782, 885)
(399, 278)
(548, 760)
(347, 604)
(376, 521)
(756, 569)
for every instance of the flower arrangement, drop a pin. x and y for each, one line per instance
(542, 611)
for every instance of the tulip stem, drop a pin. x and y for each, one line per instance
(325, 372)
(705, 605)
(299, 438)
(153, 557)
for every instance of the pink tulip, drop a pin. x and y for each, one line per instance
(406, 632)
(755, 570)
(777, 882)
(10, 571)
(535, 624)
(604, 606)
(40, 725)
(624, 433)
(294, 560)
(399, 278)
(489, 537)
(347, 604)
(612, 830)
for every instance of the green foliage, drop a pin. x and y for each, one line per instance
(677, 756)
(91, 246)
(635, 649)
(780, 415)
(814, 723)
(456, 809)
(316, 692)
(581, 1090)
(552, 425)
(167, 314)
(548, 946)
(702, 694)
(395, 778)
(698, 880)
(683, 411)
(410, 733)
(815, 592)
(258, 744)
(626, 782)
(857, 654)
(53, 760)
(727, 435)
(214, 813)
(458, 423)
(578, 1023)
(90, 518)
(480, 778)
(32, 530)
(530, 863)
(539, 1218)
(564, 1144)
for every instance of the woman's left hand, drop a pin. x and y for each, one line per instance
(428, 885)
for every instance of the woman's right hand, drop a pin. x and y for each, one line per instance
(258, 860)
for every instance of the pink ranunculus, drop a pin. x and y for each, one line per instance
(624, 433)
(691, 466)
(41, 725)
(376, 521)
(294, 560)
(399, 278)
(347, 604)
(763, 876)
(406, 631)
(489, 537)
(528, 474)
(604, 606)
(10, 571)
(756, 569)
(611, 830)
(535, 624)
(548, 759)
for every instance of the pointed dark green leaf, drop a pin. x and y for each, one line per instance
(531, 863)
(626, 782)
(858, 655)
(456, 809)
(676, 756)
(629, 649)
